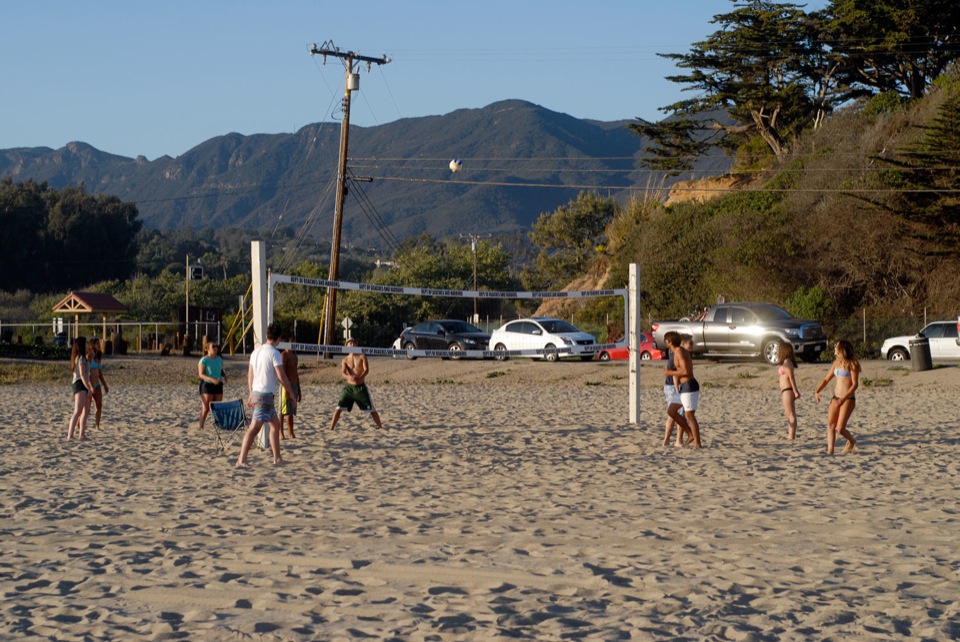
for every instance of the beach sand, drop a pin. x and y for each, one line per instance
(504, 501)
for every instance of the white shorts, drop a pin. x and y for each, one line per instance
(690, 400)
(671, 395)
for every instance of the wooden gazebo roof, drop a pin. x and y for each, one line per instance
(89, 303)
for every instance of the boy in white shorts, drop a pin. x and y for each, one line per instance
(687, 385)
(672, 397)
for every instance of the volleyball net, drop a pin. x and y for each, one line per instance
(563, 351)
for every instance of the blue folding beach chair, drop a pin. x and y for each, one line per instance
(229, 421)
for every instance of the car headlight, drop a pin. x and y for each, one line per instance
(567, 340)
(470, 342)
(792, 332)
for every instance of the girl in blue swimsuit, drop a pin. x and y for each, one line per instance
(211, 375)
(100, 387)
(846, 370)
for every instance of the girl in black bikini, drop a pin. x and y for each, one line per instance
(789, 393)
(846, 369)
(82, 387)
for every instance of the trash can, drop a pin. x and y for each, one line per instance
(920, 353)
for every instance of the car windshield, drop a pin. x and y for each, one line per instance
(771, 313)
(459, 326)
(554, 326)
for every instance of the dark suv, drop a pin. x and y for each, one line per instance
(446, 334)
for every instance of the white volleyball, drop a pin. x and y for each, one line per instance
(455, 165)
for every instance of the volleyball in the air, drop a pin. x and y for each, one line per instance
(455, 165)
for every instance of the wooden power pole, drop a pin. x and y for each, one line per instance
(350, 61)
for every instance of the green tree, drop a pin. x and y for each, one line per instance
(83, 226)
(64, 239)
(927, 174)
(568, 240)
(895, 45)
(24, 256)
(764, 72)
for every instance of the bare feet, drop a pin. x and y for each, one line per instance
(849, 447)
(240, 464)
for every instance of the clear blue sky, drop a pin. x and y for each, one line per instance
(156, 78)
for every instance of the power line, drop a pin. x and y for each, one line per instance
(639, 188)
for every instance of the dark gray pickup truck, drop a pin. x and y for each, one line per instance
(747, 330)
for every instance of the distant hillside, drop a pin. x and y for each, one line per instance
(519, 160)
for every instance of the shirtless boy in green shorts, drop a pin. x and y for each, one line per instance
(354, 368)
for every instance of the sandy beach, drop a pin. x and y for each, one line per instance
(505, 501)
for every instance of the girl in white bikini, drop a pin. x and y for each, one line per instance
(789, 393)
(846, 369)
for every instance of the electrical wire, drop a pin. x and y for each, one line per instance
(639, 188)
(368, 208)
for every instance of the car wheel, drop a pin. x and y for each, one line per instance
(898, 354)
(501, 351)
(456, 351)
(771, 350)
(550, 353)
(410, 346)
(604, 356)
(645, 356)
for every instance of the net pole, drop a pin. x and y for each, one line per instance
(258, 267)
(634, 323)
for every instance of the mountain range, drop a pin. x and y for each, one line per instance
(519, 160)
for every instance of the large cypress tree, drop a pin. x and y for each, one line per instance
(764, 72)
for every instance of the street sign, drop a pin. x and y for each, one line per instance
(196, 272)
(347, 323)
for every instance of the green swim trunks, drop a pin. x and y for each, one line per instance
(356, 394)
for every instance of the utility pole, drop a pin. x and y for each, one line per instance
(350, 60)
(474, 239)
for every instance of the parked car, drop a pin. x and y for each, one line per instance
(555, 336)
(942, 336)
(398, 342)
(446, 334)
(747, 330)
(648, 350)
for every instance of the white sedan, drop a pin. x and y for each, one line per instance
(942, 336)
(554, 337)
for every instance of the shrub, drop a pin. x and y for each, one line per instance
(810, 303)
(884, 102)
